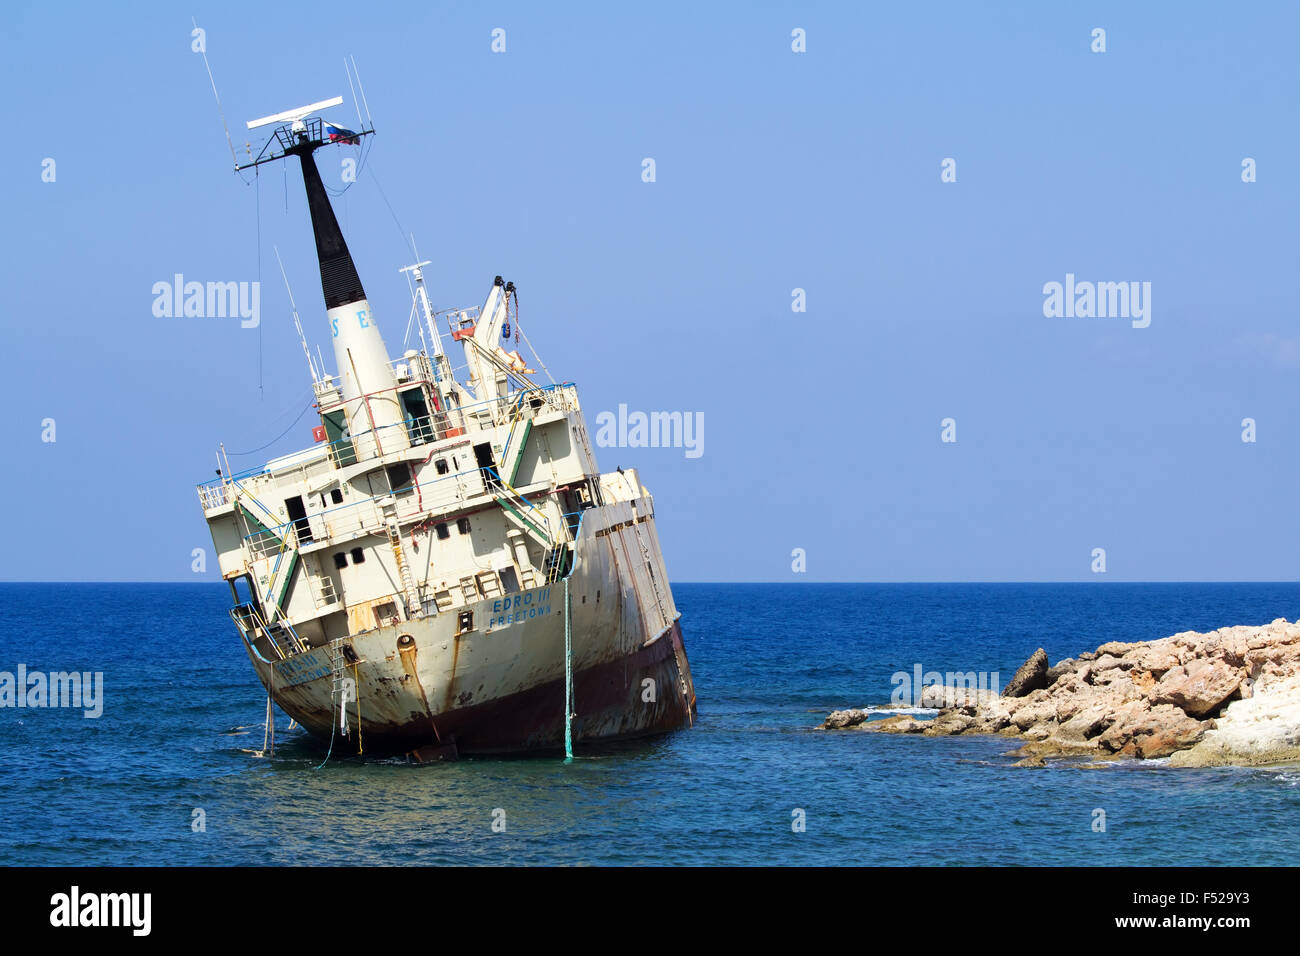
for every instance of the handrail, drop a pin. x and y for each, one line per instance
(253, 498)
(287, 531)
(275, 571)
(516, 496)
(250, 611)
(552, 394)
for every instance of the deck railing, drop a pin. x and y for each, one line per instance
(522, 404)
(368, 516)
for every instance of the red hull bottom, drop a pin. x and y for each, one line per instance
(644, 694)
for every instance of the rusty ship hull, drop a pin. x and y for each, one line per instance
(431, 686)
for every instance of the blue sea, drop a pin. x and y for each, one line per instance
(165, 775)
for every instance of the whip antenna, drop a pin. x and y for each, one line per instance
(297, 322)
(369, 119)
(220, 111)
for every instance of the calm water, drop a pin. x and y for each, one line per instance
(181, 703)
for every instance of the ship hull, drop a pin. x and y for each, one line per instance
(419, 687)
(606, 703)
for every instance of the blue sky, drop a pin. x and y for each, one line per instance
(774, 171)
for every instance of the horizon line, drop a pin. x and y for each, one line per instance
(768, 583)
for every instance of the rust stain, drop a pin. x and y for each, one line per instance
(407, 651)
(451, 678)
(406, 648)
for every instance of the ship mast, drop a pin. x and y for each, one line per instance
(365, 371)
(444, 381)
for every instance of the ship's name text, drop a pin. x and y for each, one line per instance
(520, 607)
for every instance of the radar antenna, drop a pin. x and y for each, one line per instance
(299, 131)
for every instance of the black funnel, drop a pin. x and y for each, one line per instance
(338, 274)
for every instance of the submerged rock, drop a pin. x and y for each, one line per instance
(1231, 696)
(898, 724)
(841, 719)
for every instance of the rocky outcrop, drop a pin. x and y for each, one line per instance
(1231, 696)
(1029, 677)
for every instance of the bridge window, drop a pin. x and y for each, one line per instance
(358, 556)
(340, 559)
(336, 496)
(441, 466)
(462, 525)
(441, 528)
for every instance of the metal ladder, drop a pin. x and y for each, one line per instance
(553, 566)
(338, 668)
(413, 606)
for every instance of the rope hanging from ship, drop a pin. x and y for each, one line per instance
(568, 679)
(333, 721)
(357, 684)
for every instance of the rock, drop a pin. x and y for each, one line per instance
(1263, 729)
(1166, 740)
(1061, 669)
(1200, 687)
(1142, 681)
(1041, 731)
(1034, 709)
(1115, 649)
(1148, 731)
(1105, 662)
(1030, 676)
(1086, 723)
(939, 696)
(1230, 696)
(1128, 719)
(1049, 748)
(898, 724)
(949, 723)
(993, 717)
(841, 719)
(1156, 657)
